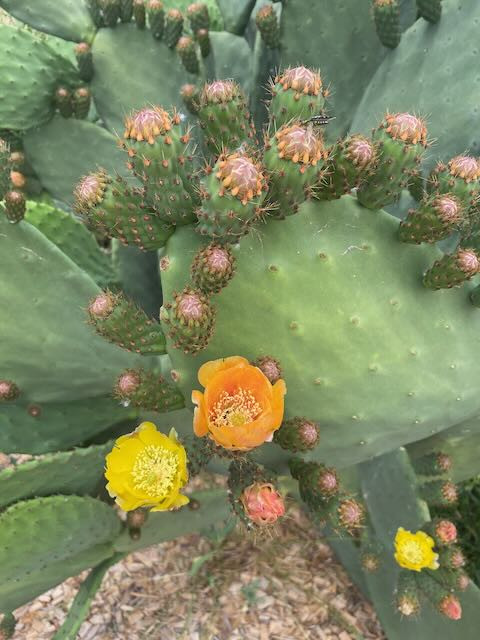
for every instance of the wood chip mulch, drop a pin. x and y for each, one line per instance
(285, 586)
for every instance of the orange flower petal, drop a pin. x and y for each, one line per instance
(245, 377)
(200, 424)
(209, 369)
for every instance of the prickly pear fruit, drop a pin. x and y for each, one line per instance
(122, 322)
(8, 390)
(297, 94)
(407, 600)
(173, 27)
(126, 10)
(81, 100)
(316, 482)
(113, 208)
(188, 54)
(14, 206)
(189, 320)
(460, 177)
(83, 54)
(224, 116)
(452, 270)
(348, 162)
(401, 139)
(156, 18)
(293, 157)
(139, 13)
(213, 268)
(267, 23)
(63, 102)
(147, 390)
(191, 97)
(232, 195)
(197, 13)
(439, 493)
(436, 218)
(430, 10)
(203, 39)
(435, 463)
(110, 12)
(452, 557)
(387, 22)
(446, 603)
(297, 434)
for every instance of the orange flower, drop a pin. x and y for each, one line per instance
(240, 408)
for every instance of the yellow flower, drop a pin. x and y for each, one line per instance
(146, 468)
(414, 551)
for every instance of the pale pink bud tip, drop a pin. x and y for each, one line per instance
(102, 305)
(446, 532)
(451, 607)
(128, 383)
(262, 503)
(190, 306)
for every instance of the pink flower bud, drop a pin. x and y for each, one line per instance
(262, 503)
(450, 607)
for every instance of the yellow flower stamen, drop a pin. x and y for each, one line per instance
(154, 470)
(234, 410)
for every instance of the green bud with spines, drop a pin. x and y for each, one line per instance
(452, 580)
(147, 390)
(386, 14)
(232, 195)
(370, 559)
(452, 270)
(191, 97)
(8, 391)
(212, 268)
(344, 514)
(197, 13)
(4, 167)
(439, 493)
(270, 367)
(416, 186)
(113, 208)
(316, 482)
(200, 451)
(126, 10)
(445, 602)
(407, 600)
(460, 177)
(15, 206)
(139, 13)
(436, 218)
(156, 18)
(430, 10)
(110, 12)
(452, 557)
(122, 322)
(83, 54)
(297, 434)
(443, 531)
(267, 23)
(297, 94)
(159, 156)
(401, 140)
(435, 463)
(81, 100)
(189, 320)
(203, 39)
(95, 9)
(293, 157)
(64, 102)
(187, 51)
(173, 27)
(16, 160)
(348, 162)
(224, 116)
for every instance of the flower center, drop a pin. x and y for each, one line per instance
(235, 410)
(154, 470)
(412, 552)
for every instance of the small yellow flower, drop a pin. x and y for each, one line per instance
(146, 468)
(414, 551)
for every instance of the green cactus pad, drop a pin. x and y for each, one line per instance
(49, 351)
(235, 14)
(132, 71)
(73, 239)
(68, 19)
(431, 10)
(54, 153)
(45, 540)
(351, 357)
(26, 98)
(211, 508)
(36, 428)
(231, 58)
(69, 472)
(411, 79)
